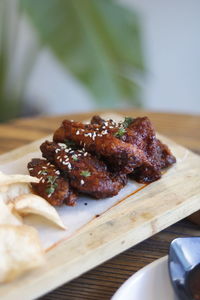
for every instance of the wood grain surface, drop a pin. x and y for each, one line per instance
(102, 282)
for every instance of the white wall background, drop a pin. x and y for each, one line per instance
(171, 31)
(171, 38)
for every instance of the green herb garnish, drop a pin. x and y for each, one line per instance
(121, 131)
(50, 190)
(85, 173)
(51, 179)
(75, 157)
(127, 122)
(53, 185)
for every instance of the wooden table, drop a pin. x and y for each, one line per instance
(101, 282)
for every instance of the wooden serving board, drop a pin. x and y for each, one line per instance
(139, 216)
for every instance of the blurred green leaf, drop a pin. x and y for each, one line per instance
(8, 107)
(97, 40)
(11, 86)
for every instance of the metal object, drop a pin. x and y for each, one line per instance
(184, 256)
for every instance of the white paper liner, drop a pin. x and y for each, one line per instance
(73, 217)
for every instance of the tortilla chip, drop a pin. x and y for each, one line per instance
(33, 204)
(10, 191)
(20, 250)
(7, 217)
(6, 179)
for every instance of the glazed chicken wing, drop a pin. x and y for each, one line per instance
(104, 141)
(141, 133)
(52, 186)
(86, 173)
(96, 158)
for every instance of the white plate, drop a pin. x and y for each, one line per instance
(150, 283)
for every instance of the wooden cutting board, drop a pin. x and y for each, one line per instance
(155, 207)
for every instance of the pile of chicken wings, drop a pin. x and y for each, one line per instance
(97, 158)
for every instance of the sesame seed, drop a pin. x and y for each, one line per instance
(94, 136)
(85, 154)
(78, 132)
(30, 169)
(57, 150)
(39, 172)
(44, 167)
(104, 132)
(58, 157)
(66, 163)
(62, 145)
(82, 181)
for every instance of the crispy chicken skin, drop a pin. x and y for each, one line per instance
(86, 172)
(54, 188)
(121, 156)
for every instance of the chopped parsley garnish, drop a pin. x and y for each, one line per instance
(75, 157)
(85, 173)
(43, 172)
(50, 190)
(51, 179)
(127, 122)
(53, 185)
(121, 131)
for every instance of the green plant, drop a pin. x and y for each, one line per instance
(98, 41)
(12, 85)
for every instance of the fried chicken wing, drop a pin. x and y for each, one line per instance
(86, 172)
(103, 140)
(52, 186)
(141, 133)
(96, 158)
